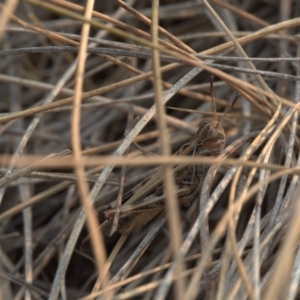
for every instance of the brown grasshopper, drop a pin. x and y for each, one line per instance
(208, 141)
(147, 200)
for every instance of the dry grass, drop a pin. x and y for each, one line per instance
(75, 78)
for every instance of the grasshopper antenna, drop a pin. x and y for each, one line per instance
(212, 96)
(228, 110)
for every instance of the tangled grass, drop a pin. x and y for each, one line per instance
(97, 95)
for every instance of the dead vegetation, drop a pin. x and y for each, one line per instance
(123, 85)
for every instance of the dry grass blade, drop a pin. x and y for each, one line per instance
(121, 186)
(169, 181)
(29, 169)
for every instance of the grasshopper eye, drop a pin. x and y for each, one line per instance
(221, 136)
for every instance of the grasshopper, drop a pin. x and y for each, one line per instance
(148, 198)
